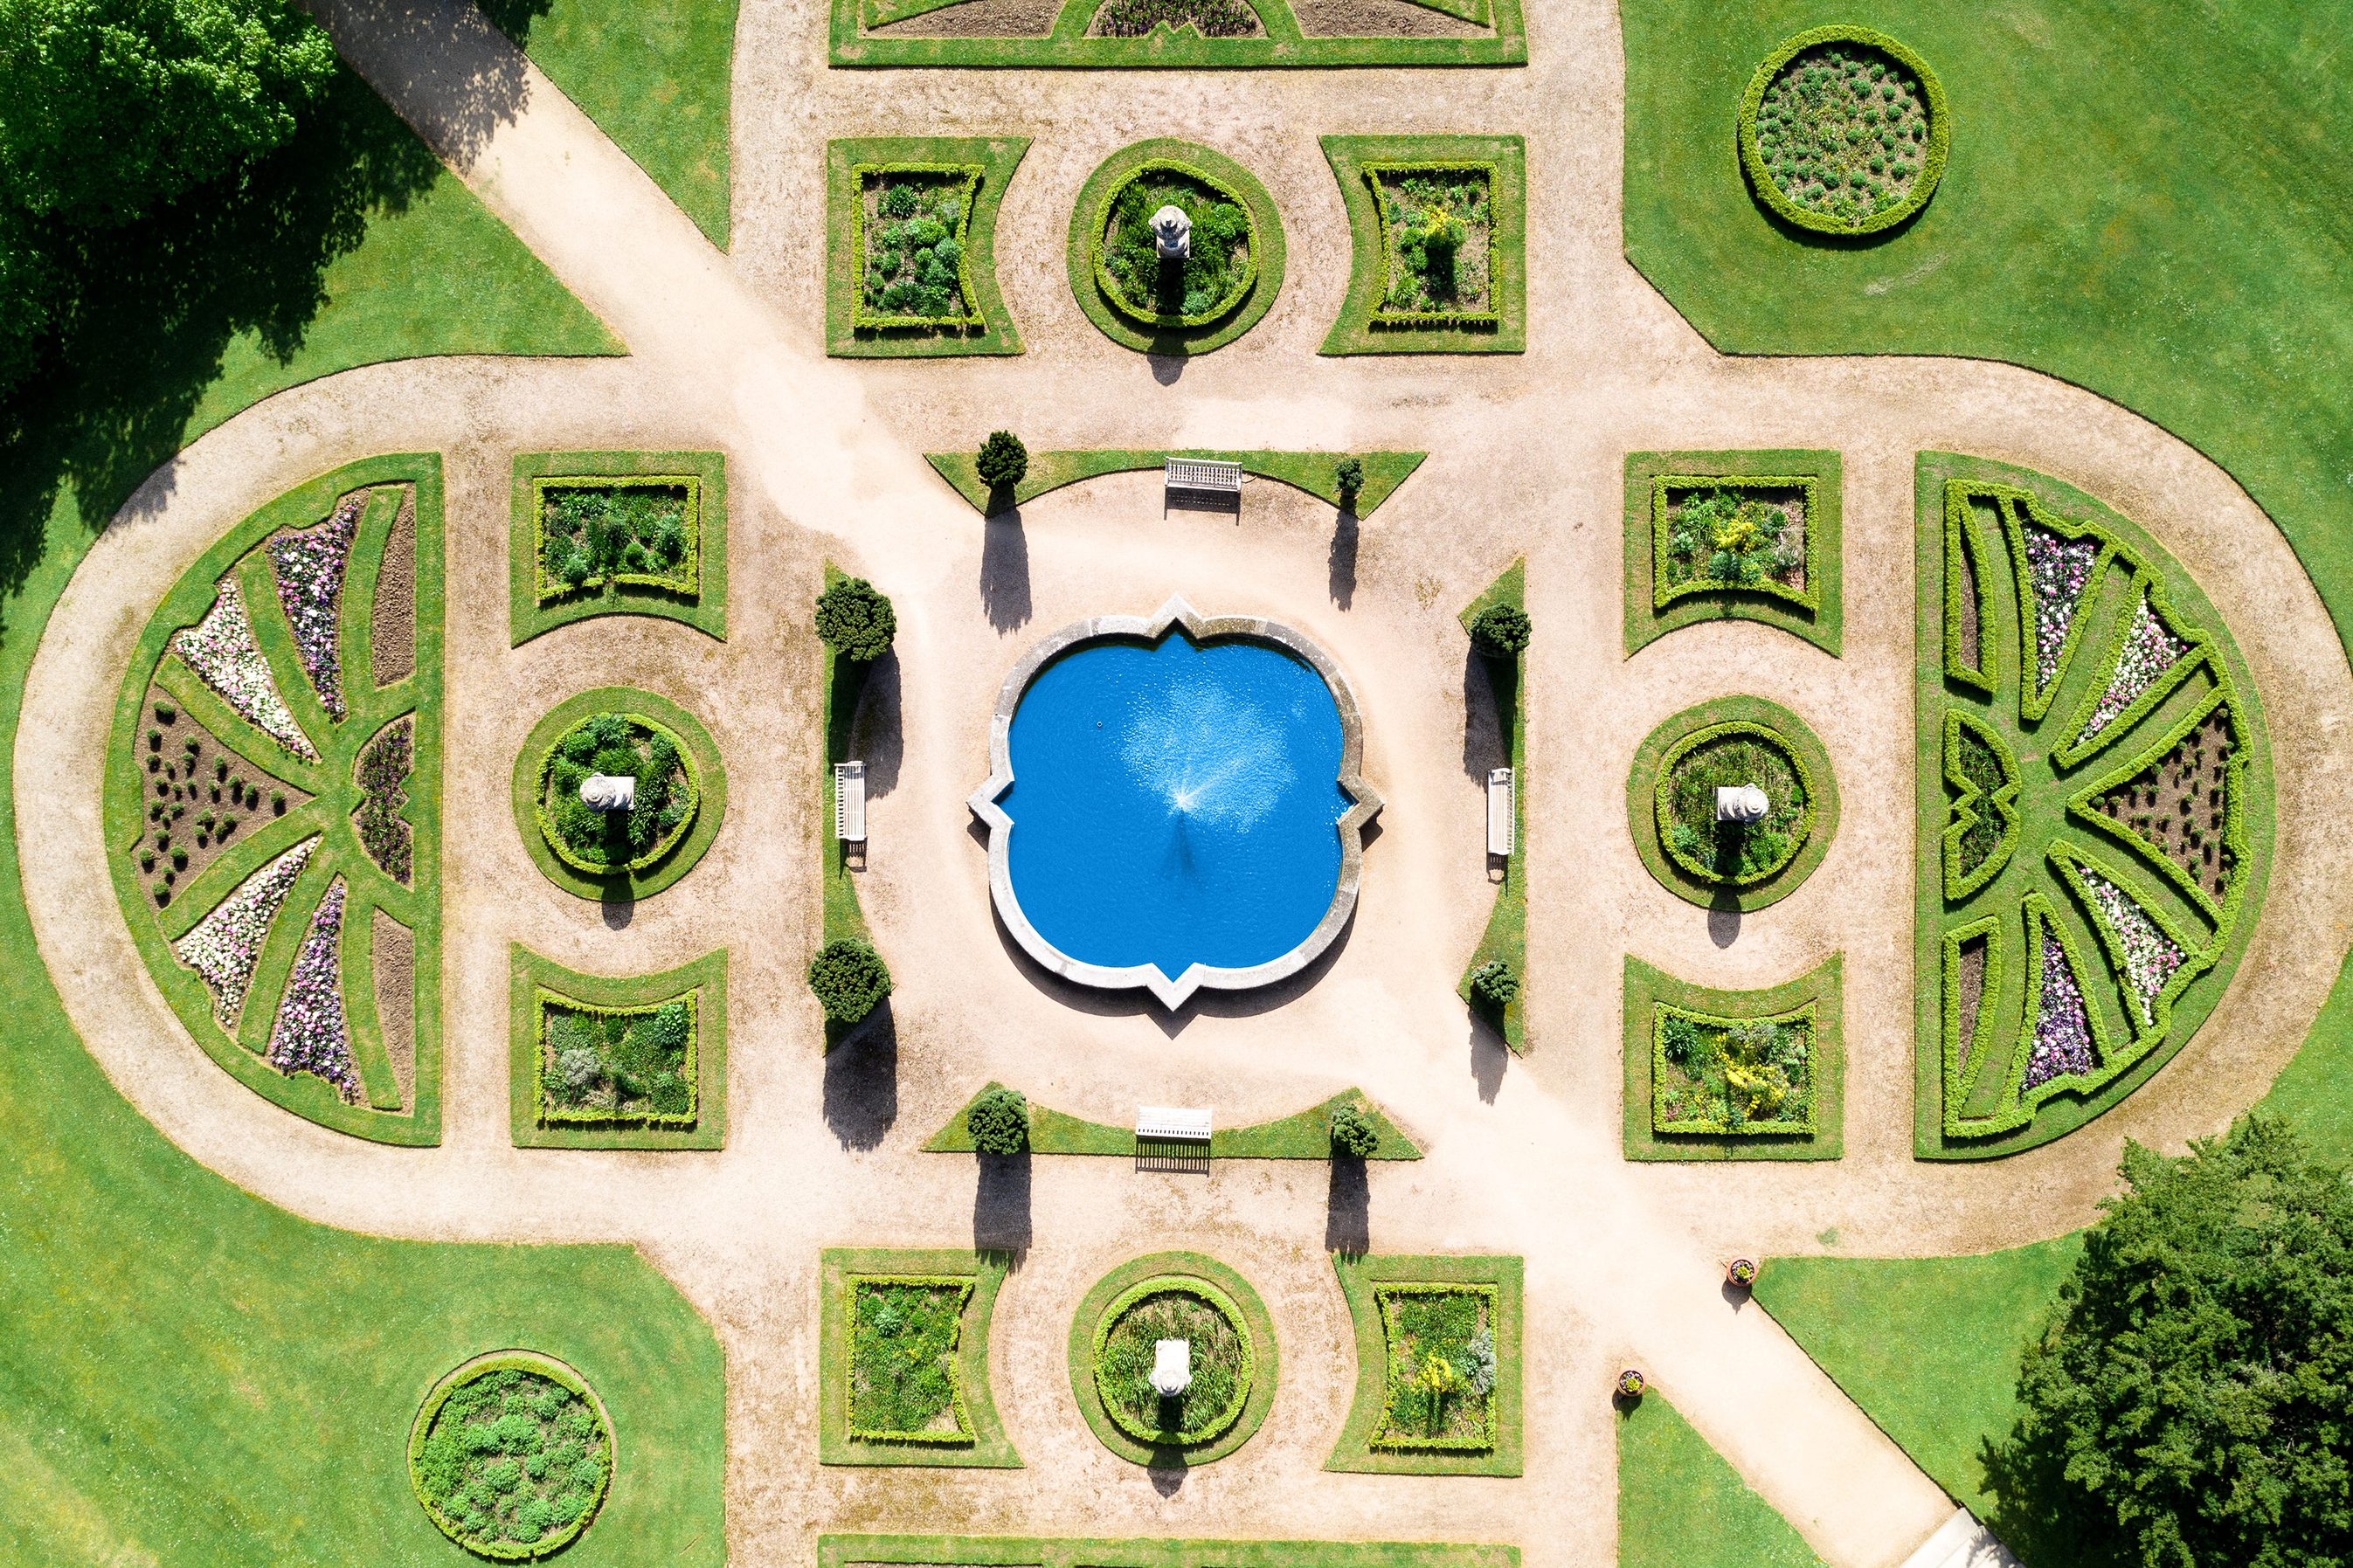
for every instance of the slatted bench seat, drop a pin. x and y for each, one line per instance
(1172, 1137)
(1202, 474)
(1502, 820)
(850, 802)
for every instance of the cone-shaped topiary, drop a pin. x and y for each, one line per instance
(1501, 631)
(856, 621)
(850, 979)
(1353, 1132)
(999, 1121)
(1003, 460)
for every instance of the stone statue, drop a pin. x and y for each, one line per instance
(606, 793)
(1173, 232)
(1172, 1367)
(1741, 803)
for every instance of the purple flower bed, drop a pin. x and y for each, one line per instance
(384, 769)
(2149, 652)
(311, 1035)
(221, 650)
(2062, 1025)
(2150, 958)
(2058, 569)
(223, 947)
(310, 568)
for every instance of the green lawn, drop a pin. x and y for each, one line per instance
(1680, 1505)
(1507, 936)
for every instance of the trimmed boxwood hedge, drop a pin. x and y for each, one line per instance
(1185, 335)
(1086, 1342)
(536, 1366)
(1652, 479)
(1648, 773)
(989, 328)
(533, 980)
(1118, 297)
(1647, 990)
(1067, 44)
(655, 729)
(1768, 190)
(1361, 328)
(981, 1443)
(1216, 1421)
(695, 746)
(530, 612)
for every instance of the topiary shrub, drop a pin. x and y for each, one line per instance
(850, 979)
(1349, 472)
(1353, 1132)
(1501, 631)
(856, 621)
(999, 1121)
(1003, 461)
(1495, 982)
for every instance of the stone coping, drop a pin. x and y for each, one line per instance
(1173, 994)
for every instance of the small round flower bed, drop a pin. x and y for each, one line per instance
(1113, 1343)
(511, 1455)
(1844, 130)
(1164, 291)
(619, 733)
(1727, 742)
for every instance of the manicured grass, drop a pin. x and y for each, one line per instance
(997, 158)
(1308, 471)
(984, 1444)
(1928, 1346)
(1680, 1505)
(1643, 783)
(1088, 226)
(1355, 331)
(1507, 937)
(1818, 616)
(1360, 1279)
(657, 77)
(534, 981)
(710, 780)
(1086, 1346)
(1819, 989)
(537, 603)
(844, 681)
(1068, 46)
(1304, 1136)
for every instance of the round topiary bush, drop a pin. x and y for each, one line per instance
(850, 979)
(1495, 983)
(1726, 755)
(1171, 1307)
(511, 1455)
(1844, 130)
(1353, 1132)
(1502, 631)
(1003, 460)
(856, 621)
(1157, 292)
(999, 1121)
(618, 745)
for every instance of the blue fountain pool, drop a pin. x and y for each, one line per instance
(1175, 804)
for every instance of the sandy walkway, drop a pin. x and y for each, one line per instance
(1622, 1259)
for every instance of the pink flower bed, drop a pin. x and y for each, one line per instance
(311, 1035)
(224, 946)
(310, 571)
(2149, 652)
(2149, 958)
(2062, 1025)
(221, 650)
(2058, 569)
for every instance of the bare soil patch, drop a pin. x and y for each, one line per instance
(1380, 19)
(197, 801)
(392, 620)
(393, 947)
(978, 19)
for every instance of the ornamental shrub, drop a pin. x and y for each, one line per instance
(1349, 472)
(1495, 982)
(1003, 460)
(856, 621)
(1353, 1132)
(850, 979)
(1501, 631)
(999, 1121)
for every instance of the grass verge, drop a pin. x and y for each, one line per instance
(1308, 471)
(1821, 623)
(1068, 44)
(988, 1448)
(1642, 818)
(1184, 1265)
(1507, 936)
(1353, 1451)
(1680, 1505)
(531, 975)
(1355, 331)
(1303, 1136)
(1088, 213)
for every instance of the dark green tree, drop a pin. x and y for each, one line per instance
(1353, 1132)
(856, 621)
(1349, 474)
(850, 979)
(1501, 631)
(1495, 982)
(1003, 460)
(2190, 1401)
(999, 1121)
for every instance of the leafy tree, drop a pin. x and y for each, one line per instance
(1495, 982)
(2190, 1400)
(1349, 472)
(1501, 631)
(1003, 460)
(999, 1121)
(850, 979)
(856, 621)
(1353, 1132)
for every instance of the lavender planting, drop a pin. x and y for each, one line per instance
(311, 1034)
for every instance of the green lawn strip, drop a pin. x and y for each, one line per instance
(1306, 1135)
(1308, 471)
(1180, 1265)
(1086, 232)
(988, 1448)
(1068, 46)
(2311, 1091)
(1355, 331)
(705, 609)
(1354, 1450)
(529, 974)
(844, 683)
(1928, 1347)
(997, 158)
(1821, 624)
(1150, 1551)
(1823, 986)
(1507, 936)
(1680, 1505)
(701, 752)
(328, 815)
(1642, 818)
(657, 77)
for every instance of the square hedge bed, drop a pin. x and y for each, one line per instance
(552, 1009)
(1376, 317)
(937, 1304)
(673, 509)
(975, 171)
(1067, 44)
(1665, 592)
(1661, 1112)
(1389, 1301)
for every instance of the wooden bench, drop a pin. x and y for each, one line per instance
(1502, 820)
(1172, 1137)
(1202, 474)
(850, 802)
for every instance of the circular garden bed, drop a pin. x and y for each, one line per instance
(1174, 307)
(511, 1455)
(1844, 130)
(619, 733)
(1113, 1340)
(1670, 802)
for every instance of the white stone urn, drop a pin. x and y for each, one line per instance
(1172, 231)
(605, 792)
(1741, 803)
(1172, 1367)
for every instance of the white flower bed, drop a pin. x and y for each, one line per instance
(2149, 652)
(224, 946)
(310, 569)
(221, 650)
(2058, 569)
(2149, 958)
(311, 1035)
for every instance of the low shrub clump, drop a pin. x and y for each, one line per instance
(1223, 1362)
(903, 1371)
(1736, 539)
(999, 1121)
(1435, 224)
(1843, 131)
(383, 773)
(1730, 1076)
(513, 1461)
(1726, 756)
(1502, 631)
(1348, 474)
(1495, 984)
(1353, 1132)
(1441, 1366)
(1193, 291)
(1003, 461)
(617, 1064)
(1209, 18)
(618, 745)
(855, 620)
(594, 533)
(850, 979)
(912, 232)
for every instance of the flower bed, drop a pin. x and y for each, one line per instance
(1437, 225)
(1197, 291)
(1440, 1380)
(1208, 18)
(1729, 755)
(196, 798)
(1165, 1307)
(220, 649)
(1732, 1076)
(598, 1065)
(911, 230)
(1843, 130)
(224, 946)
(616, 745)
(383, 773)
(312, 1033)
(1713, 534)
(510, 1456)
(308, 564)
(597, 531)
(903, 1381)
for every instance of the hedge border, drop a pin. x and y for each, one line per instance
(334, 796)
(528, 774)
(541, 999)
(1067, 47)
(706, 612)
(1305, 1135)
(546, 590)
(1821, 624)
(1359, 1278)
(1485, 1441)
(1202, 1291)
(1805, 1013)
(1761, 179)
(1158, 1552)
(1084, 1333)
(540, 1365)
(1213, 168)
(998, 157)
(1354, 329)
(990, 1449)
(1943, 482)
(961, 1285)
(662, 848)
(1507, 936)
(1641, 796)
(1961, 885)
(1466, 319)
(1646, 988)
(1310, 472)
(529, 974)
(1691, 868)
(1112, 297)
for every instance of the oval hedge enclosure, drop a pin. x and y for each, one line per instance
(547, 778)
(1173, 1295)
(1844, 130)
(511, 1455)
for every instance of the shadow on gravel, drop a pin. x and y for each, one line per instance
(1344, 557)
(1348, 1213)
(1000, 1205)
(1005, 572)
(861, 1082)
(874, 736)
(1723, 920)
(1167, 1470)
(1490, 1058)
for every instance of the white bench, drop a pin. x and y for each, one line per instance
(1202, 474)
(850, 802)
(1171, 1124)
(1501, 818)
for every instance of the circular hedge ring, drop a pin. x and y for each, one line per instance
(1760, 867)
(1130, 1317)
(1219, 323)
(669, 857)
(644, 732)
(1234, 1416)
(480, 1488)
(1844, 130)
(1219, 198)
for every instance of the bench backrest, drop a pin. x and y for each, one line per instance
(1201, 474)
(850, 802)
(1172, 1122)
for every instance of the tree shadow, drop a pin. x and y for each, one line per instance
(1489, 689)
(1344, 557)
(862, 1082)
(1005, 572)
(1348, 1210)
(1000, 1205)
(1490, 1057)
(2043, 1517)
(875, 737)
